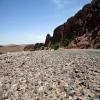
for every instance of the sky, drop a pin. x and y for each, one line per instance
(29, 21)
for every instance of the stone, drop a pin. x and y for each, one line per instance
(48, 40)
(82, 30)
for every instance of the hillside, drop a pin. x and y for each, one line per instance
(80, 31)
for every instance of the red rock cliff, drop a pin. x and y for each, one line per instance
(81, 30)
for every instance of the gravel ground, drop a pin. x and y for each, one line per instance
(50, 75)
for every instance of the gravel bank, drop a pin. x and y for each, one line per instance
(50, 75)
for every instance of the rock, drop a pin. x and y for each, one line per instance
(48, 40)
(37, 46)
(50, 75)
(84, 28)
(29, 48)
(89, 98)
(78, 99)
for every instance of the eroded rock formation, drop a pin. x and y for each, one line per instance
(48, 40)
(81, 30)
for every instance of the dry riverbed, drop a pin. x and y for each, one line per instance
(50, 75)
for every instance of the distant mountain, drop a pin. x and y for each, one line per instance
(80, 31)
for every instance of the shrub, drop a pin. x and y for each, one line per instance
(67, 39)
(65, 42)
(29, 47)
(55, 46)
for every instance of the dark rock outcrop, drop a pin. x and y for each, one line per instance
(81, 30)
(31, 47)
(48, 40)
(39, 46)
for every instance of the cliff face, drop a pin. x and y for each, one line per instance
(81, 30)
(48, 40)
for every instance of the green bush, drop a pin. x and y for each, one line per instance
(67, 39)
(55, 46)
(65, 42)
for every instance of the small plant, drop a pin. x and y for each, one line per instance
(55, 46)
(67, 39)
(65, 42)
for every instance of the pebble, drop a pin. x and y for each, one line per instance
(50, 75)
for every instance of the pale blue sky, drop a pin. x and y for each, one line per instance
(28, 21)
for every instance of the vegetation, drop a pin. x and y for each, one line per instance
(64, 42)
(67, 39)
(55, 46)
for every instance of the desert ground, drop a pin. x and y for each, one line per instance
(11, 48)
(50, 75)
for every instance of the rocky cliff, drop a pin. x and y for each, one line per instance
(48, 40)
(81, 30)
